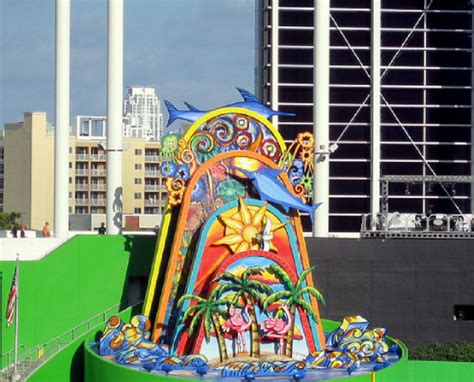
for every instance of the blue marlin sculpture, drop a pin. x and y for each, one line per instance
(270, 188)
(250, 102)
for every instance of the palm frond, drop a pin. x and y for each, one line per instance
(277, 296)
(303, 276)
(195, 321)
(207, 325)
(308, 309)
(227, 276)
(260, 286)
(250, 271)
(191, 310)
(189, 297)
(314, 292)
(281, 274)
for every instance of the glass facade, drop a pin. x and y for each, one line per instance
(426, 74)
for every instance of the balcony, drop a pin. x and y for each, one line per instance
(82, 157)
(98, 172)
(82, 171)
(82, 187)
(98, 202)
(99, 157)
(153, 173)
(152, 187)
(152, 158)
(98, 187)
(152, 202)
(82, 202)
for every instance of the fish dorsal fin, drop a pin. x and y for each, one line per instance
(247, 96)
(191, 107)
(271, 172)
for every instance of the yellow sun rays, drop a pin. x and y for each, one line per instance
(244, 229)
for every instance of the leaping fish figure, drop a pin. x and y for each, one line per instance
(250, 102)
(270, 188)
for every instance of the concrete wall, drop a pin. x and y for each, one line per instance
(408, 286)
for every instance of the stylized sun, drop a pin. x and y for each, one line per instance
(243, 230)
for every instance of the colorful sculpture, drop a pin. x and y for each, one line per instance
(278, 328)
(250, 102)
(238, 324)
(231, 291)
(271, 189)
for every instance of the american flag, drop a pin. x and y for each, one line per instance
(12, 299)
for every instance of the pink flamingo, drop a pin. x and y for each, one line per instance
(237, 324)
(278, 328)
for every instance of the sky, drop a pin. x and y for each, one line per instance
(190, 50)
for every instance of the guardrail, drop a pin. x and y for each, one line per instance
(459, 226)
(31, 359)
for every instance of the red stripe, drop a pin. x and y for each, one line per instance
(11, 301)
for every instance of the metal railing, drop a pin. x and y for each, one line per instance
(98, 187)
(98, 202)
(82, 187)
(82, 202)
(82, 157)
(152, 158)
(99, 157)
(152, 202)
(418, 225)
(33, 358)
(82, 171)
(97, 172)
(152, 187)
(152, 173)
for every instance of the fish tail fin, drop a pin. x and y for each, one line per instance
(173, 112)
(284, 114)
(312, 209)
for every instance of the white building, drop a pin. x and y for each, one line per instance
(142, 114)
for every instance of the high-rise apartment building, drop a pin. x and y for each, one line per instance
(28, 152)
(400, 97)
(142, 114)
(27, 186)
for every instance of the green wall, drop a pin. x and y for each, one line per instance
(68, 365)
(83, 277)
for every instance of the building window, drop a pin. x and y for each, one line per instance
(70, 164)
(70, 180)
(138, 210)
(138, 166)
(70, 150)
(138, 151)
(70, 195)
(138, 195)
(138, 180)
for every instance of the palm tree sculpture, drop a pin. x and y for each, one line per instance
(253, 292)
(293, 294)
(209, 311)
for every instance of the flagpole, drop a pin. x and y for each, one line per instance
(16, 375)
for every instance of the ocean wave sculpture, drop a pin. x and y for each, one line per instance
(251, 370)
(352, 344)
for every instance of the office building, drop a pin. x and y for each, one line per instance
(418, 107)
(27, 153)
(142, 114)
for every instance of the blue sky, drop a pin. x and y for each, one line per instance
(193, 50)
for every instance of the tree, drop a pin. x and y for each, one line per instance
(208, 311)
(293, 294)
(253, 292)
(8, 218)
